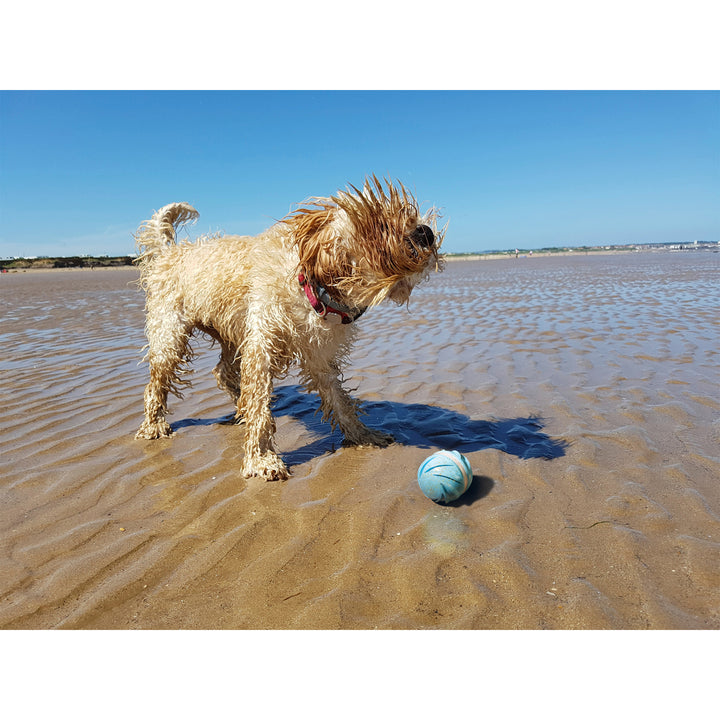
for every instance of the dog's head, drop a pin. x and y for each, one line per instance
(364, 246)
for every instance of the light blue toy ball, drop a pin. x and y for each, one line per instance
(445, 476)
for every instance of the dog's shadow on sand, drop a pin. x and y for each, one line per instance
(423, 426)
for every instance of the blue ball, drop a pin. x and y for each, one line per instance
(445, 476)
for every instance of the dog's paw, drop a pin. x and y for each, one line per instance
(153, 430)
(368, 436)
(267, 466)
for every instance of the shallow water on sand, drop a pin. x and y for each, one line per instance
(583, 390)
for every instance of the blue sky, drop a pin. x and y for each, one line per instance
(80, 170)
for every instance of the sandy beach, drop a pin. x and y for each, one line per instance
(583, 390)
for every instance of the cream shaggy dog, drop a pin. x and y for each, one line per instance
(289, 295)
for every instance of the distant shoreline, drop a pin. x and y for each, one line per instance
(595, 250)
(127, 261)
(66, 263)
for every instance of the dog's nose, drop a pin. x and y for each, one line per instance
(422, 236)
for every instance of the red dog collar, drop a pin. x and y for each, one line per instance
(323, 304)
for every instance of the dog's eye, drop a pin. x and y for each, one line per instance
(422, 236)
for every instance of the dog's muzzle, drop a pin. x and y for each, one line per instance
(422, 236)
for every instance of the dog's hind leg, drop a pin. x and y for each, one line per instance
(227, 374)
(168, 349)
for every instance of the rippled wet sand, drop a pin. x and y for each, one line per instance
(583, 390)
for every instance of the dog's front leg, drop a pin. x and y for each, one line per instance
(255, 394)
(342, 409)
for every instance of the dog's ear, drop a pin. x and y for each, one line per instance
(321, 256)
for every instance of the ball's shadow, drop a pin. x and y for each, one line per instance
(480, 488)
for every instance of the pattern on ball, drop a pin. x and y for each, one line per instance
(445, 476)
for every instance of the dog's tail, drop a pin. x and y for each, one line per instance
(161, 230)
